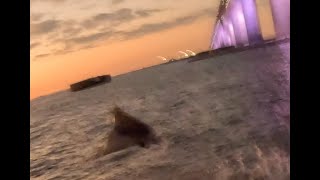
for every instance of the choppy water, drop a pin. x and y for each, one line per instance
(223, 118)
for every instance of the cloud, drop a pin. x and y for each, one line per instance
(146, 12)
(117, 17)
(91, 38)
(121, 14)
(117, 1)
(89, 41)
(70, 28)
(141, 31)
(49, 1)
(42, 56)
(67, 34)
(43, 27)
(71, 31)
(56, 1)
(62, 52)
(155, 27)
(36, 16)
(33, 45)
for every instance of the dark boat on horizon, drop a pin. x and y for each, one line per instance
(91, 82)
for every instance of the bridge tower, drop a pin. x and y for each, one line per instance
(281, 17)
(237, 22)
(250, 13)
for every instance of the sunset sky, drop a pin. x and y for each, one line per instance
(76, 39)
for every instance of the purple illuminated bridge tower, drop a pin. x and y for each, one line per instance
(238, 24)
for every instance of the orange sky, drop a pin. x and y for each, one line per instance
(111, 56)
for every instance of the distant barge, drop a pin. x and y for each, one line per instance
(95, 81)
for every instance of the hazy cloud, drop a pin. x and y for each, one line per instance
(71, 31)
(61, 52)
(33, 45)
(36, 16)
(42, 55)
(91, 38)
(84, 42)
(146, 12)
(154, 27)
(119, 16)
(117, 1)
(43, 27)
(68, 31)
(50, 1)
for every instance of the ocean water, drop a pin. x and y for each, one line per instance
(226, 117)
